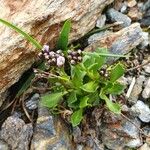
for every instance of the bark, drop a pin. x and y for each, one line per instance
(43, 19)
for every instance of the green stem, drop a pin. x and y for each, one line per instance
(106, 54)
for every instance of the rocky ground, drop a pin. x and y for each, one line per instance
(26, 125)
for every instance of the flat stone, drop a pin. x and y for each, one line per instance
(97, 36)
(116, 16)
(101, 21)
(120, 42)
(146, 67)
(16, 133)
(120, 134)
(146, 91)
(142, 111)
(137, 89)
(50, 133)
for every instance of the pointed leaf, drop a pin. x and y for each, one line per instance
(117, 88)
(51, 100)
(90, 86)
(64, 36)
(84, 102)
(114, 107)
(24, 34)
(72, 98)
(116, 72)
(88, 60)
(77, 75)
(76, 117)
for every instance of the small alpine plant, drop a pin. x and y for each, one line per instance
(79, 80)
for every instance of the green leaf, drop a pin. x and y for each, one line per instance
(84, 102)
(72, 98)
(94, 98)
(116, 72)
(25, 85)
(76, 117)
(88, 60)
(117, 88)
(24, 34)
(77, 75)
(90, 87)
(64, 36)
(114, 107)
(52, 100)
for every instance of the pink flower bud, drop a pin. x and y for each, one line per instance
(60, 61)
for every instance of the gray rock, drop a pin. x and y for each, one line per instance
(137, 89)
(3, 145)
(32, 103)
(120, 42)
(116, 16)
(116, 135)
(101, 21)
(123, 8)
(146, 67)
(145, 43)
(142, 111)
(146, 91)
(50, 133)
(16, 133)
(95, 37)
(146, 6)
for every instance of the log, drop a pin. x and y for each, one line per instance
(42, 19)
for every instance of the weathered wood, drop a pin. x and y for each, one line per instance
(43, 19)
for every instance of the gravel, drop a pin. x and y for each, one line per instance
(142, 111)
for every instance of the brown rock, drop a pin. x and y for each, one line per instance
(131, 3)
(134, 14)
(120, 133)
(120, 42)
(42, 19)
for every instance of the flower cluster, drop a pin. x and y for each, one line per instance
(52, 58)
(103, 72)
(74, 57)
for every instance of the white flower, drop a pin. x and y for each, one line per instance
(45, 48)
(60, 61)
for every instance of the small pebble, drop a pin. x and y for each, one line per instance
(146, 91)
(142, 111)
(132, 3)
(101, 21)
(32, 103)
